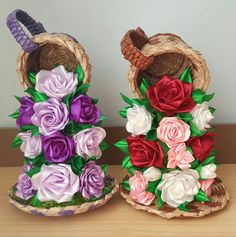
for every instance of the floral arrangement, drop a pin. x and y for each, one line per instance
(169, 154)
(61, 138)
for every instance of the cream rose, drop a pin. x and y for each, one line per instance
(179, 186)
(152, 174)
(202, 116)
(208, 171)
(139, 120)
(173, 131)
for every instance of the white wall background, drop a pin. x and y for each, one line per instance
(209, 26)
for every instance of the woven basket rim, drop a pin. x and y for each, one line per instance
(176, 213)
(71, 210)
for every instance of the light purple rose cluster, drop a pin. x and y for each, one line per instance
(58, 182)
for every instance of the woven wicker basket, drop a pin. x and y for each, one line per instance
(44, 51)
(154, 57)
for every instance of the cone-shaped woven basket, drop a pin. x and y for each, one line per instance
(45, 51)
(152, 58)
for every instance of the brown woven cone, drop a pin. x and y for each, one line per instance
(161, 54)
(68, 210)
(219, 198)
(54, 49)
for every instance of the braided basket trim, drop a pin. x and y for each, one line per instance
(69, 210)
(219, 199)
(54, 39)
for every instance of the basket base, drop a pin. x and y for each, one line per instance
(219, 199)
(68, 210)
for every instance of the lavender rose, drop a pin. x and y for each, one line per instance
(82, 110)
(58, 148)
(92, 180)
(88, 140)
(24, 188)
(50, 116)
(26, 111)
(31, 146)
(56, 83)
(27, 167)
(55, 182)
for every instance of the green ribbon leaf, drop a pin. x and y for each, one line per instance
(82, 89)
(123, 112)
(16, 142)
(33, 171)
(198, 95)
(37, 96)
(152, 134)
(160, 202)
(125, 185)
(212, 109)
(104, 167)
(15, 115)
(152, 186)
(201, 196)
(144, 85)
(189, 149)
(103, 146)
(123, 145)
(185, 117)
(130, 101)
(80, 73)
(34, 129)
(17, 97)
(208, 160)
(185, 76)
(208, 97)
(165, 148)
(126, 163)
(95, 101)
(102, 118)
(195, 130)
(32, 78)
(67, 99)
(36, 202)
(183, 206)
(194, 164)
(77, 163)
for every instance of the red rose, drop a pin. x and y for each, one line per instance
(171, 96)
(145, 153)
(201, 146)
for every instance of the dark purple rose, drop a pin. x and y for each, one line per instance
(26, 111)
(92, 180)
(24, 187)
(58, 148)
(82, 110)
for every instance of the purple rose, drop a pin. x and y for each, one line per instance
(26, 111)
(82, 110)
(50, 116)
(55, 182)
(24, 187)
(92, 180)
(27, 167)
(58, 148)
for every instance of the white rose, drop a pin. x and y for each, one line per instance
(202, 116)
(208, 171)
(152, 174)
(179, 186)
(31, 146)
(139, 120)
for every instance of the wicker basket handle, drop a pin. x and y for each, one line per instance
(131, 45)
(17, 31)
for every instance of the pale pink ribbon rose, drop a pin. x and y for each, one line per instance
(138, 185)
(206, 185)
(173, 131)
(179, 156)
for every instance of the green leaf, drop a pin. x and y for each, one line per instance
(79, 71)
(105, 191)
(33, 171)
(36, 202)
(15, 115)
(185, 76)
(208, 97)
(157, 116)
(77, 164)
(123, 145)
(152, 186)
(81, 89)
(16, 142)
(152, 134)
(104, 167)
(160, 203)
(125, 185)
(102, 118)
(212, 109)
(144, 85)
(32, 78)
(201, 196)
(165, 148)
(209, 160)
(95, 101)
(66, 101)
(195, 130)
(17, 97)
(130, 101)
(126, 163)
(123, 112)
(194, 164)
(185, 117)
(198, 95)
(103, 145)
(189, 149)
(37, 96)
(183, 206)
(34, 129)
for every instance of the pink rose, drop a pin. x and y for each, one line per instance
(173, 131)
(138, 185)
(206, 185)
(179, 156)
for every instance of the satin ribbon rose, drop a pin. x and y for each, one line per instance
(173, 131)
(56, 83)
(55, 182)
(171, 96)
(138, 185)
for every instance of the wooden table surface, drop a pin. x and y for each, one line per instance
(116, 218)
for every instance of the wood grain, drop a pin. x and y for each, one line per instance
(116, 218)
(224, 143)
